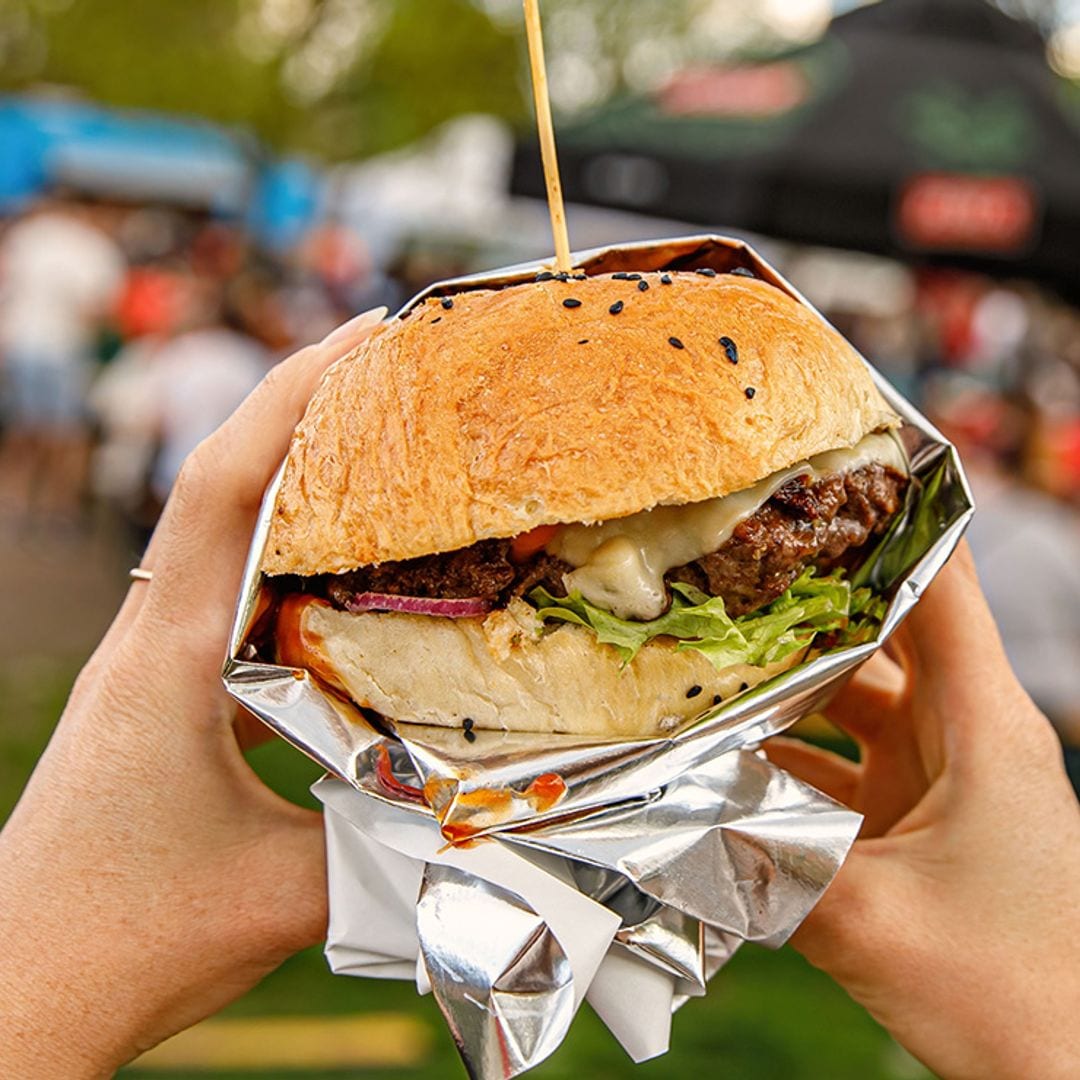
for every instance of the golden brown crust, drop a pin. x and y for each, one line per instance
(510, 411)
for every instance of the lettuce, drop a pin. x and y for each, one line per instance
(813, 604)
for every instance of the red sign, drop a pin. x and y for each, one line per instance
(952, 212)
(756, 90)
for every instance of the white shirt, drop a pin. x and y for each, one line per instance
(58, 278)
(200, 378)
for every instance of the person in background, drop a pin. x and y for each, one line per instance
(198, 379)
(60, 275)
(124, 397)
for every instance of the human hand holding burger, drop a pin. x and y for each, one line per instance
(147, 877)
(954, 920)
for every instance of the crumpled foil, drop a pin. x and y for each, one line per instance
(516, 875)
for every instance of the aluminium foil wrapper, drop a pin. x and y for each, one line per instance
(514, 876)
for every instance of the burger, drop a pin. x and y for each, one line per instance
(592, 505)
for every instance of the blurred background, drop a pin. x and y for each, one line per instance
(189, 189)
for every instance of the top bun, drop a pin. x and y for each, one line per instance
(511, 409)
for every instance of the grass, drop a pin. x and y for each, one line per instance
(768, 1016)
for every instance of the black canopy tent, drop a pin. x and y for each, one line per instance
(921, 129)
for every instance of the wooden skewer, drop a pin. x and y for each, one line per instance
(547, 136)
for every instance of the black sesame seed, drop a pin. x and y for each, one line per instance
(633, 277)
(467, 723)
(693, 691)
(616, 307)
(730, 348)
(570, 302)
(706, 271)
(676, 343)
(744, 686)
(470, 735)
(579, 277)
(447, 303)
(621, 276)
(438, 318)
(643, 286)
(716, 699)
(563, 276)
(743, 272)
(665, 279)
(584, 341)
(750, 392)
(545, 275)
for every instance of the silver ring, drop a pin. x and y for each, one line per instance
(137, 573)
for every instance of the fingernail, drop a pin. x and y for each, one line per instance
(354, 326)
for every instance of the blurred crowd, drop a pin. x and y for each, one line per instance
(128, 333)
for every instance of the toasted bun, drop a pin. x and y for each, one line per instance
(502, 673)
(510, 410)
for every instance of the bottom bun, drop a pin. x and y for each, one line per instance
(503, 673)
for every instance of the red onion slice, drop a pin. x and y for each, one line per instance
(465, 608)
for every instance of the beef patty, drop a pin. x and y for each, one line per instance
(806, 522)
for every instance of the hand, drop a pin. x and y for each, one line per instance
(955, 919)
(147, 877)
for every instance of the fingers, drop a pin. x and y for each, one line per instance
(853, 933)
(869, 700)
(965, 695)
(951, 633)
(828, 772)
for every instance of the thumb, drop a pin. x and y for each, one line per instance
(850, 933)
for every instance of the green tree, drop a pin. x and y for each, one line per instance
(434, 59)
(274, 66)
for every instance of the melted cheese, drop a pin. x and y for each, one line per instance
(620, 565)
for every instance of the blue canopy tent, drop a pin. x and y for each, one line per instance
(144, 156)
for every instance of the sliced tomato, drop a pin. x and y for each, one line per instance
(528, 544)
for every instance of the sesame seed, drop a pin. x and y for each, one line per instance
(730, 348)
(570, 302)
(633, 277)
(665, 279)
(706, 271)
(579, 277)
(742, 271)
(467, 723)
(716, 699)
(564, 276)
(693, 691)
(584, 341)
(616, 307)
(438, 318)
(621, 276)
(675, 343)
(470, 735)
(744, 686)
(643, 286)
(545, 275)
(447, 303)
(750, 392)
